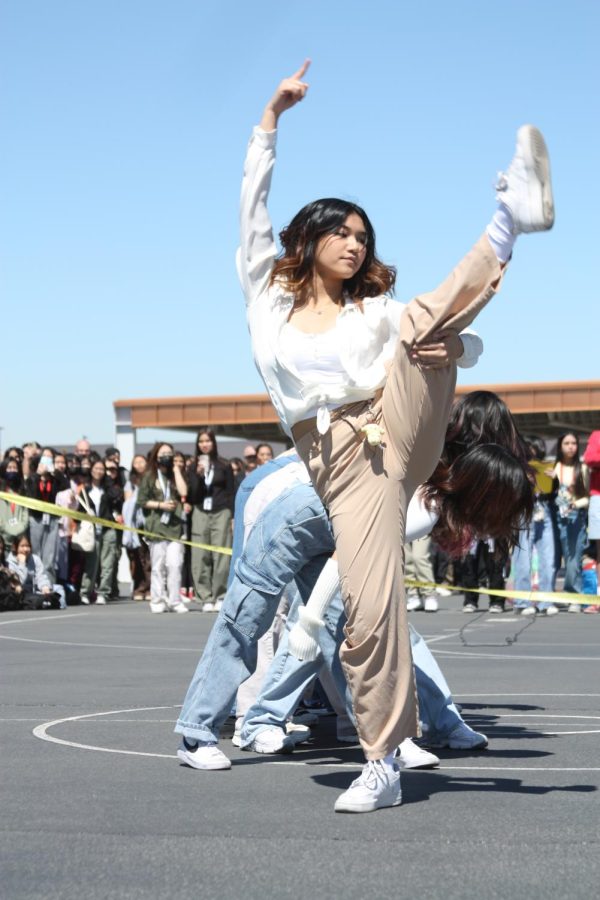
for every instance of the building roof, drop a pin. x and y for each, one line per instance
(547, 408)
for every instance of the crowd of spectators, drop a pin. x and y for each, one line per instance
(50, 560)
(47, 560)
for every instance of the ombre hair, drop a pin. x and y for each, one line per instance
(294, 268)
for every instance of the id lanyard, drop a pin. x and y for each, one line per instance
(207, 503)
(166, 489)
(45, 487)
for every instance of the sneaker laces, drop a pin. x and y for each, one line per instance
(371, 774)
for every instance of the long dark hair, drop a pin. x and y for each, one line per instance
(152, 470)
(578, 486)
(483, 484)
(294, 268)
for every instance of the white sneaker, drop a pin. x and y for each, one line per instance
(431, 604)
(469, 608)
(100, 600)
(209, 607)
(526, 186)
(158, 606)
(218, 605)
(528, 611)
(300, 730)
(410, 756)
(442, 591)
(574, 608)
(551, 610)
(178, 607)
(272, 739)
(463, 738)
(375, 788)
(85, 599)
(202, 755)
(413, 601)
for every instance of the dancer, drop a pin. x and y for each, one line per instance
(291, 540)
(341, 364)
(484, 457)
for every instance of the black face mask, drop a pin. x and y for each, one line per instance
(74, 470)
(11, 477)
(165, 462)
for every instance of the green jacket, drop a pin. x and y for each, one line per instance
(150, 489)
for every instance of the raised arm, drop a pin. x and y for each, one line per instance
(257, 249)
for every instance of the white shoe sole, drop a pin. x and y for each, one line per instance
(536, 156)
(189, 760)
(347, 806)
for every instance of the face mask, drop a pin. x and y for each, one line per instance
(47, 461)
(11, 477)
(75, 470)
(165, 462)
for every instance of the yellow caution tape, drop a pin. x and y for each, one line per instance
(54, 510)
(532, 596)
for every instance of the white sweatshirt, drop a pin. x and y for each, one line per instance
(367, 339)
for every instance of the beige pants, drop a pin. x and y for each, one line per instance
(366, 491)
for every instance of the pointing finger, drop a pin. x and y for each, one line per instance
(299, 75)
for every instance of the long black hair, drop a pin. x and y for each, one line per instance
(578, 486)
(483, 484)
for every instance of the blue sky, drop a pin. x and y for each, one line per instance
(124, 132)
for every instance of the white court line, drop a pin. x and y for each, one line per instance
(41, 732)
(510, 658)
(7, 637)
(528, 694)
(51, 618)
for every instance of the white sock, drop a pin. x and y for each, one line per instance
(303, 637)
(500, 233)
(389, 762)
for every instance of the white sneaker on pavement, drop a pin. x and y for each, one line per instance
(85, 599)
(526, 186)
(462, 738)
(202, 755)
(410, 756)
(551, 610)
(573, 607)
(158, 606)
(209, 606)
(377, 787)
(442, 591)
(528, 610)
(100, 600)
(431, 604)
(178, 607)
(413, 601)
(272, 740)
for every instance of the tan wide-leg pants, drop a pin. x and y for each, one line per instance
(366, 491)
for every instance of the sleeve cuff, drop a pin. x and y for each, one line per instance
(266, 139)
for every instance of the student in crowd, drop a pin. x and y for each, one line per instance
(539, 538)
(571, 485)
(211, 493)
(160, 497)
(106, 500)
(591, 458)
(42, 484)
(135, 545)
(29, 568)
(264, 453)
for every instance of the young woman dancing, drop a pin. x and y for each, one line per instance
(365, 386)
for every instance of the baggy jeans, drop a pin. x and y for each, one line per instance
(366, 491)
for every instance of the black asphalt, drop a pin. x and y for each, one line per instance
(520, 820)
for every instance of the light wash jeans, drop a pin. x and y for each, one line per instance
(291, 540)
(541, 536)
(166, 558)
(572, 532)
(288, 678)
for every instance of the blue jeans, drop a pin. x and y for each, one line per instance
(541, 536)
(572, 532)
(288, 678)
(290, 541)
(241, 498)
